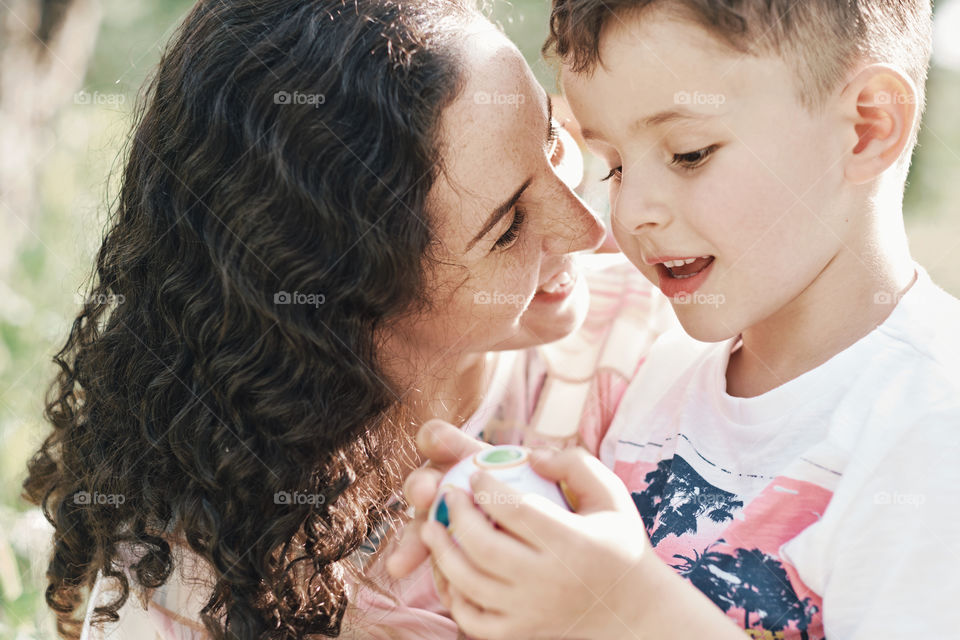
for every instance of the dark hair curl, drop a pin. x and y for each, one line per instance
(284, 149)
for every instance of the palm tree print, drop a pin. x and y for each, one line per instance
(752, 581)
(676, 496)
(745, 583)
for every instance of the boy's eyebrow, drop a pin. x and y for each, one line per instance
(660, 118)
(672, 115)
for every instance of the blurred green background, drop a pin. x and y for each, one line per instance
(78, 148)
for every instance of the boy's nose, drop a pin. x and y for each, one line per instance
(636, 209)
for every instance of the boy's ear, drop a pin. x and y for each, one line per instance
(880, 103)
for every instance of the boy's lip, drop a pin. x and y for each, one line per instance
(676, 287)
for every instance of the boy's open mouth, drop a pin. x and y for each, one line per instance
(681, 276)
(687, 268)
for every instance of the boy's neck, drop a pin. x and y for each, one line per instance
(854, 293)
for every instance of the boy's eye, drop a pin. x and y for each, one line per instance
(510, 235)
(614, 173)
(693, 159)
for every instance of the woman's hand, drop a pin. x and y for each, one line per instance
(548, 572)
(442, 445)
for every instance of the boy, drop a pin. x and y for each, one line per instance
(793, 472)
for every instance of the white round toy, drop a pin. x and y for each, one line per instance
(509, 464)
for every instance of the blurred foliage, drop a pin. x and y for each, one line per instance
(38, 303)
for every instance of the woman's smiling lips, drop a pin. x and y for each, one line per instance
(681, 275)
(557, 288)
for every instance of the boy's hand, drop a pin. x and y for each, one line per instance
(443, 445)
(548, 572)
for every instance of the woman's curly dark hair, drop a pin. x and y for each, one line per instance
(272, 219)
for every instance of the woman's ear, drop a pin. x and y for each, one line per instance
(880, 103)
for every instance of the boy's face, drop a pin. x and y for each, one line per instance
(720, 163)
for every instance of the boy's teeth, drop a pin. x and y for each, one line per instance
(677, 270)
(679, 263)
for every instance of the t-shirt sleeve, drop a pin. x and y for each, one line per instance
(884, 556)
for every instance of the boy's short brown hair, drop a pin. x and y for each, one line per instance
(820, 39)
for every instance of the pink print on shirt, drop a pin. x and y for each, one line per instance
(729, 551)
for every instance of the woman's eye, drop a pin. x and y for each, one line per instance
(554, 144)
(693, 159)
(614, 173)
(510, 235)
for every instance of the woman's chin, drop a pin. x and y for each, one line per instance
(553, 316)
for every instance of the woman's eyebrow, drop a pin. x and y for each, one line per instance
(498, 213)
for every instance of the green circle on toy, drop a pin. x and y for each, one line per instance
(502, 456)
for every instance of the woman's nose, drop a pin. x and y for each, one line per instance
(575, 227)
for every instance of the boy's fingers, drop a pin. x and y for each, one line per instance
(533, 520)
(441, 584)
(409, 553)
(420, 487)
(498, 552)
(457, 568)
(593, 486)
(444, 444)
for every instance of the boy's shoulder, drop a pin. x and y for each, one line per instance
(909, 380)
(924, 333)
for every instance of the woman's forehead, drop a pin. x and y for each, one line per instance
(492, 135)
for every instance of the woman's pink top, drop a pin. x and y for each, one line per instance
(564, 394)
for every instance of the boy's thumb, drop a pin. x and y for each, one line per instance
(587, 483)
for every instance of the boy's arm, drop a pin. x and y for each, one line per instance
(550, 573)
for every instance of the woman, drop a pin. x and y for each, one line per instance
(324, 207)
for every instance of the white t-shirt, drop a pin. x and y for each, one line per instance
(827, 507)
